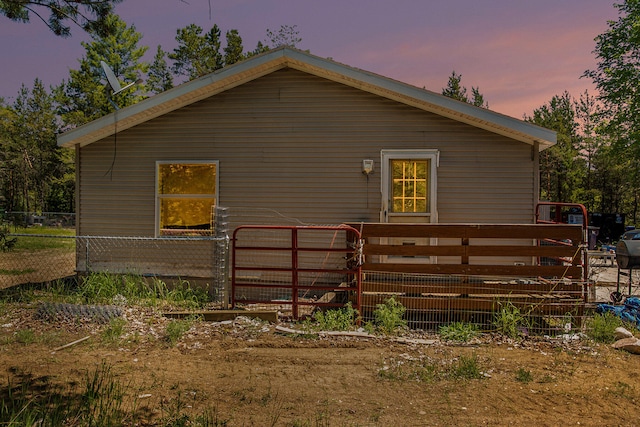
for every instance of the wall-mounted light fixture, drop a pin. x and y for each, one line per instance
(367, 166)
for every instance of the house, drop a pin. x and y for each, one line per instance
(306, 138)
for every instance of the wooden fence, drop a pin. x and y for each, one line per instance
(469, 272)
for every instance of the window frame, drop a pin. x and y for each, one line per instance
(432, 155)
(159, 197)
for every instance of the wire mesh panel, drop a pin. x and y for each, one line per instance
(432, 301)
(295, 268)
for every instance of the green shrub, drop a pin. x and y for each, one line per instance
(342, 319)
(388, 317)
(601, 327)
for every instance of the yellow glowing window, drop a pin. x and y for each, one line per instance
(410, 186)
(186, 197)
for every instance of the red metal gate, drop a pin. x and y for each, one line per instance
(296, 268)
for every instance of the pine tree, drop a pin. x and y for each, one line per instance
(159, 78)
(87, 96)
(90, 15)
(196, 54)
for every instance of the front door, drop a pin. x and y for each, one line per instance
(409, 191)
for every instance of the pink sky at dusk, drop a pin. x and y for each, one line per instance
(519, 53)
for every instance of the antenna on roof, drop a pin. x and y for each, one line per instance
(114, 83)
(113, 80)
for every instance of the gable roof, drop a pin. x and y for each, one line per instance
(286, 57)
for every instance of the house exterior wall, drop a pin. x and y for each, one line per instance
(294, 143)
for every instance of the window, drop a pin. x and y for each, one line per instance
(410, 180)
(409, 185)
(186, 197)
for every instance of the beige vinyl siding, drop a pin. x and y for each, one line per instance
(294, 143)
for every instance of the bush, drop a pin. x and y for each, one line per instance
(388, 317)
(509, 321)
(601, 327)
(342, 319)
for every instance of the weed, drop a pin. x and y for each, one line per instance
(466, 368)
(36, 401)
(623, 390)
(428, 370)
(388, 317)
(458, 331)
(510, 321)
(342, 319)
(524, 376)
(6, 241)
(114, 330)
(102, 400)
(25, 336)
(601, 327)
(177, 328)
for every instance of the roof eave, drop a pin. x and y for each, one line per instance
(261, 65)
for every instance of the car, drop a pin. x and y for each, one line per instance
(631, 235)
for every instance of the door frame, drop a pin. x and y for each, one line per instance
(418, 154)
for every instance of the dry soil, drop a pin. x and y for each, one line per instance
(248, 373)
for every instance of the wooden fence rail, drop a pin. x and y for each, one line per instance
(448, 271)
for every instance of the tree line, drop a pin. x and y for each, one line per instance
(596, 160)
(38, 176)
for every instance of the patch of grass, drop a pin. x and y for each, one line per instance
(177, 328)
(38, 401)
(524, 376)
(114, 330)
(25, 336)
(58, 239)
(623, 390)
(388, 317)
(601, 327)
(342, 319)
(428, 370)
(106, 288)
(458, 331)
(510, 321)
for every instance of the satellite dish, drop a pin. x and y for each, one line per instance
(113, 80)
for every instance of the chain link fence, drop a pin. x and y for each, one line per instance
(39, 258)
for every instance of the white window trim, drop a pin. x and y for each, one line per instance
(428, 154)
(157, 196)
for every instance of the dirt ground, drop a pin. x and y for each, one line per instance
(246, 373)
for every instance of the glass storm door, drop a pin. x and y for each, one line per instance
(409, 190)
